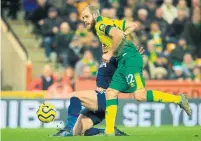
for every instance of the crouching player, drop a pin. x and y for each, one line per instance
(81, 122)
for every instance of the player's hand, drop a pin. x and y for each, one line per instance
(104, 48)
(136, 25)
(107, 56)
(140, 49)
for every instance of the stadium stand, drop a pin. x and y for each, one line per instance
(14, 76)
(172, 43)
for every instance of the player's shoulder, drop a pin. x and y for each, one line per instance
(102, 19)
(102, 23)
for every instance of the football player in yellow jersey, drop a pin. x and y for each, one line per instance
(128, 77)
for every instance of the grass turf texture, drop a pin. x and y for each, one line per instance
(164, 133)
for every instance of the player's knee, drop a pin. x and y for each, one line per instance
(86, 124)
(111, 93)
(77, 130)
(140, 95)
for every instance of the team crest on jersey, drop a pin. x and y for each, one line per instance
(102, 27)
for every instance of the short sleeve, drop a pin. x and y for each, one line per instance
(104, 28)
(104, 25)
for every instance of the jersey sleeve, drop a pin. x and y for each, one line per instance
(104, 27)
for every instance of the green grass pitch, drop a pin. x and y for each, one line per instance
(164, 133)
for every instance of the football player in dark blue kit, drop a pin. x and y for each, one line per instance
(81, 122)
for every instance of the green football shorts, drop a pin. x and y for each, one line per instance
(128, 77)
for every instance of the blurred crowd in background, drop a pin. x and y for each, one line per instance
(170, 32)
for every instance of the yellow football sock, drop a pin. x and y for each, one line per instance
(110, 115)
(158, 96)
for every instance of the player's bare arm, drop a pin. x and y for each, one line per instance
(131, 27)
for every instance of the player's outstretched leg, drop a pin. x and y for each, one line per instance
(86, 98)
(158, 96)
(73, 113)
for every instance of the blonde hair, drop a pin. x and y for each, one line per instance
(93, 9)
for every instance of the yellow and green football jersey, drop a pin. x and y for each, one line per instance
(103, 26)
